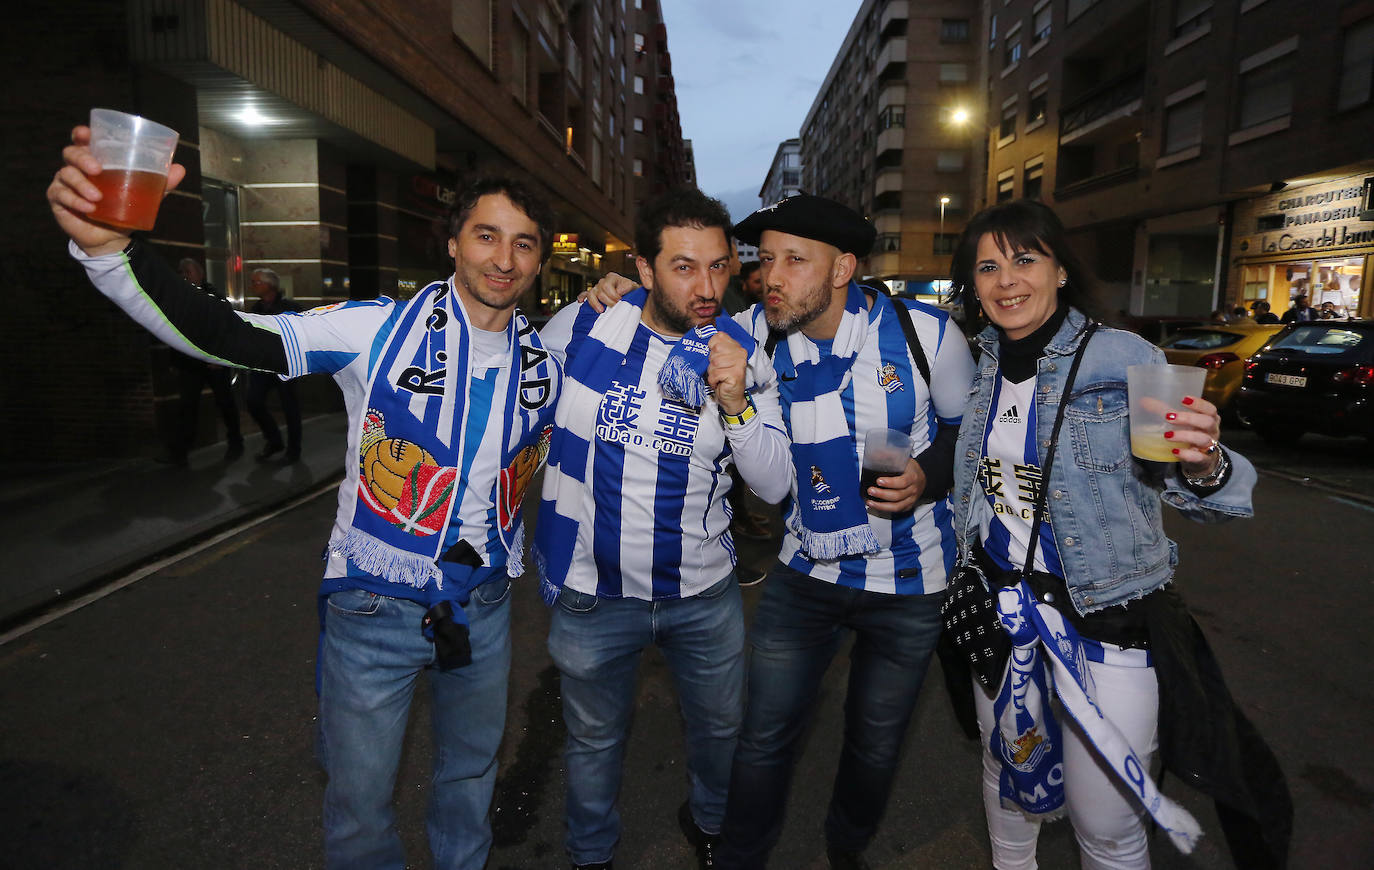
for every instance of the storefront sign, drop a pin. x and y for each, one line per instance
(565, 243)
(1334, 237)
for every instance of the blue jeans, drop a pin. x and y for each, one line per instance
(798, 627)
(596, 643)
(370, 655)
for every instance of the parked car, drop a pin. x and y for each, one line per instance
(1312, 377)
(1222, 351)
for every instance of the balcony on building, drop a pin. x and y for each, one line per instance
(891, 63)
(1099, 136)
(894, 17)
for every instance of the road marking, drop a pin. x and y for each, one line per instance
(133, 577)
(1352, 503)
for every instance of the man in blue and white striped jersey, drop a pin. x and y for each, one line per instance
(872, 561)
(448, 396)
(632, 540)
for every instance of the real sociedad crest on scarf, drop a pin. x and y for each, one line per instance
(401, 481)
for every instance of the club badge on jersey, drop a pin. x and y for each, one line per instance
(888, 380)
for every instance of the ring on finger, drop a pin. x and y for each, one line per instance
(1213, 447)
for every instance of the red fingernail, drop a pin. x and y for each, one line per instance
(1169, 434)
(1187, 400)
(1175, 450)
(1171, 416)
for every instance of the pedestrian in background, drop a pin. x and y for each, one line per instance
(192, 376)
(266, 285)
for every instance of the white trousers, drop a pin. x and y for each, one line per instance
(1108, 821)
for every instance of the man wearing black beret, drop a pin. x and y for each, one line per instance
(850, 360)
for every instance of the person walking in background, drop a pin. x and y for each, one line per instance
(192, 376)
(1097, 590)
(266, 285)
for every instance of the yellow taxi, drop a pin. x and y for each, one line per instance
(1220, 348)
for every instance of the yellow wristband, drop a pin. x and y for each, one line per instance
(742, 417)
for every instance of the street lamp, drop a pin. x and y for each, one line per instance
(944, 201)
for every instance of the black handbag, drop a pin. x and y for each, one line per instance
(969, 611)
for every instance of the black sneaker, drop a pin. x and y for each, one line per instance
(842, 860)
(705, 844)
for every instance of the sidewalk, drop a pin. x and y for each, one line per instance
(69, 526)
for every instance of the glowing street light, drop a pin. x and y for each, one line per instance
(959, 116)
(944, 201)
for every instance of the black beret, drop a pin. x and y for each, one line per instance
(811, 217)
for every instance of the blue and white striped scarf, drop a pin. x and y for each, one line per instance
(831, 520)
(410, 470)
(1025, 738)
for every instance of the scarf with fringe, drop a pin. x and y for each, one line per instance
(683, 374)
(413, 447)
(831, 520)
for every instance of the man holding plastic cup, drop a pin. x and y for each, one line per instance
(872, 560)
(429, 525)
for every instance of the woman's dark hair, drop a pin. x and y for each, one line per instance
(525, 198)
(1019, 225)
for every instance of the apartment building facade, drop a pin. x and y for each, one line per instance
(879, 137)
(323, 139)
(1204, 153)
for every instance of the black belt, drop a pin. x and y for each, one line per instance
(1123, 625)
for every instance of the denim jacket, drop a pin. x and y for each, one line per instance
(1103, 503)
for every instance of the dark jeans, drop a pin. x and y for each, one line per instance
(192, 376)
(798, 627)
(259, 385)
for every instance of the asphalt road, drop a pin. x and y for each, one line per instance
(171, 724)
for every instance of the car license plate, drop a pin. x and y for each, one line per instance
(1286, 380)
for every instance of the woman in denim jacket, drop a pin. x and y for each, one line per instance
(1102, 563)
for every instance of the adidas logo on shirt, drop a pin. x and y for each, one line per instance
(1009, 416)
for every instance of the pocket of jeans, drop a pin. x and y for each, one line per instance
(492, 592)
(716, 590)
(576, 602)
(355, 602)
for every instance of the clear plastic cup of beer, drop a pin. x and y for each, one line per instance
(1153, 391)
(135, 155)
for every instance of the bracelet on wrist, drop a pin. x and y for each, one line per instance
(1215, 477)
(743, 416)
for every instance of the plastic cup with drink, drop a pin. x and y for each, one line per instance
(886, 452)
(1152, 392)
(135, 155)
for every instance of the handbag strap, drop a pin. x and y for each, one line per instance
(1049, 451)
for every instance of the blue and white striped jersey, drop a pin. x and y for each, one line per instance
(344, 340)
(1009, 477)
(887, 390)
(660, 527)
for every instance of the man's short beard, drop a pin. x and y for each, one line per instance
(799, 318)
(678, 321)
